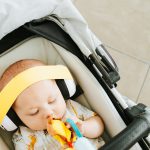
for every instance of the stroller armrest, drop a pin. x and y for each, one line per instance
(139, 128)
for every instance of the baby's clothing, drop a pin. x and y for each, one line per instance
(27, 139)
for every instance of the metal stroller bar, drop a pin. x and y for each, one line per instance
(139, 128)
(137, 136)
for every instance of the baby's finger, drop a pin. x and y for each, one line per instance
(80, 126)
(68, 125)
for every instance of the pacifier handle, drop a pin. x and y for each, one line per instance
(75, 128)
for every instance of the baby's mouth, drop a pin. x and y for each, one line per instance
(50, 119)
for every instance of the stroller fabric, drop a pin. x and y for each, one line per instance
(16, 13)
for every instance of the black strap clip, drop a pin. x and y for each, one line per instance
(107, 70)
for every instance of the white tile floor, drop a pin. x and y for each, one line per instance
(124, 28)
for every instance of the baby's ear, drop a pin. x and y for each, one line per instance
(66, 87)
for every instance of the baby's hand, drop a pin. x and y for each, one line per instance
(78, 122)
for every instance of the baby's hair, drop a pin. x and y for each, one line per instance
(16, 68)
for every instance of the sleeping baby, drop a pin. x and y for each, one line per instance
(42, 99)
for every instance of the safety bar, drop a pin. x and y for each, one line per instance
(137, 129)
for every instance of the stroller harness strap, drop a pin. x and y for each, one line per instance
(26, 78)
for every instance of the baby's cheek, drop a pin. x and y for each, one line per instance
(34, 123)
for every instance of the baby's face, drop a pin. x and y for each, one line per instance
(38, 102)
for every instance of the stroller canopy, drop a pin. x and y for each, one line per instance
(14, 14)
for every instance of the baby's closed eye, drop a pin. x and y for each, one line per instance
(34, 111)
(51, 100)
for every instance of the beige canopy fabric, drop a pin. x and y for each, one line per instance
(14, 14)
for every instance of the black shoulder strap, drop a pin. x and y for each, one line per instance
(47, 29)
(14, 38)
(53, 32)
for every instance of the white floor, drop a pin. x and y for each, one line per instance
(124, 28)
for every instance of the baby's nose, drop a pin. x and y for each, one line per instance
(49, 113)
(49, 116)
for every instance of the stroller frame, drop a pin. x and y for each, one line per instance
(138, 117)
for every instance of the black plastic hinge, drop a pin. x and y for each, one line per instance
(109, 74)
(135, 111)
